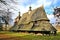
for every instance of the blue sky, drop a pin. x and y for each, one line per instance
(49, 5)
(23, 6)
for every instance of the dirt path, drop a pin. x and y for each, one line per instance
(8, 37)
(4, 36)
(13, 38)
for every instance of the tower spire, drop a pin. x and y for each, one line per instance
(30, 6)
(19, 15)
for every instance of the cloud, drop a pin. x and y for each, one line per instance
(23, 6)
(51, 18)
(48, 5)
(45, 2)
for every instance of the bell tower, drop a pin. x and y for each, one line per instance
(30, 8)
(19, 16)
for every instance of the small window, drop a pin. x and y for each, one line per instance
(36, 23)
(21, 26)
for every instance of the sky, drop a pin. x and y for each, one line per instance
(49, 5)
(23, 6)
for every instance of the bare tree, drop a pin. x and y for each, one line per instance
(2, 1)
(4, 10)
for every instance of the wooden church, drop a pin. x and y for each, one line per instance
(34, 21)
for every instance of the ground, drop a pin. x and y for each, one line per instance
(25, 36)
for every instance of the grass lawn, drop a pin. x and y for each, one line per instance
(26, 36)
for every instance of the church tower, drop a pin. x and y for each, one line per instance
(30, 9)
(17, 18)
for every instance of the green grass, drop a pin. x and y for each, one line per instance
(25, 36)
(13, 33)
(36, 37)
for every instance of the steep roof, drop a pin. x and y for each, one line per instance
(37, 14)
(44, 26)
(27, 21)
(23, 18)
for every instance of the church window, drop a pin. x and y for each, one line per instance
(36, 23)
(21, 26)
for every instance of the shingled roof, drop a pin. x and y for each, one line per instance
(27, 21)
(36, 14)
